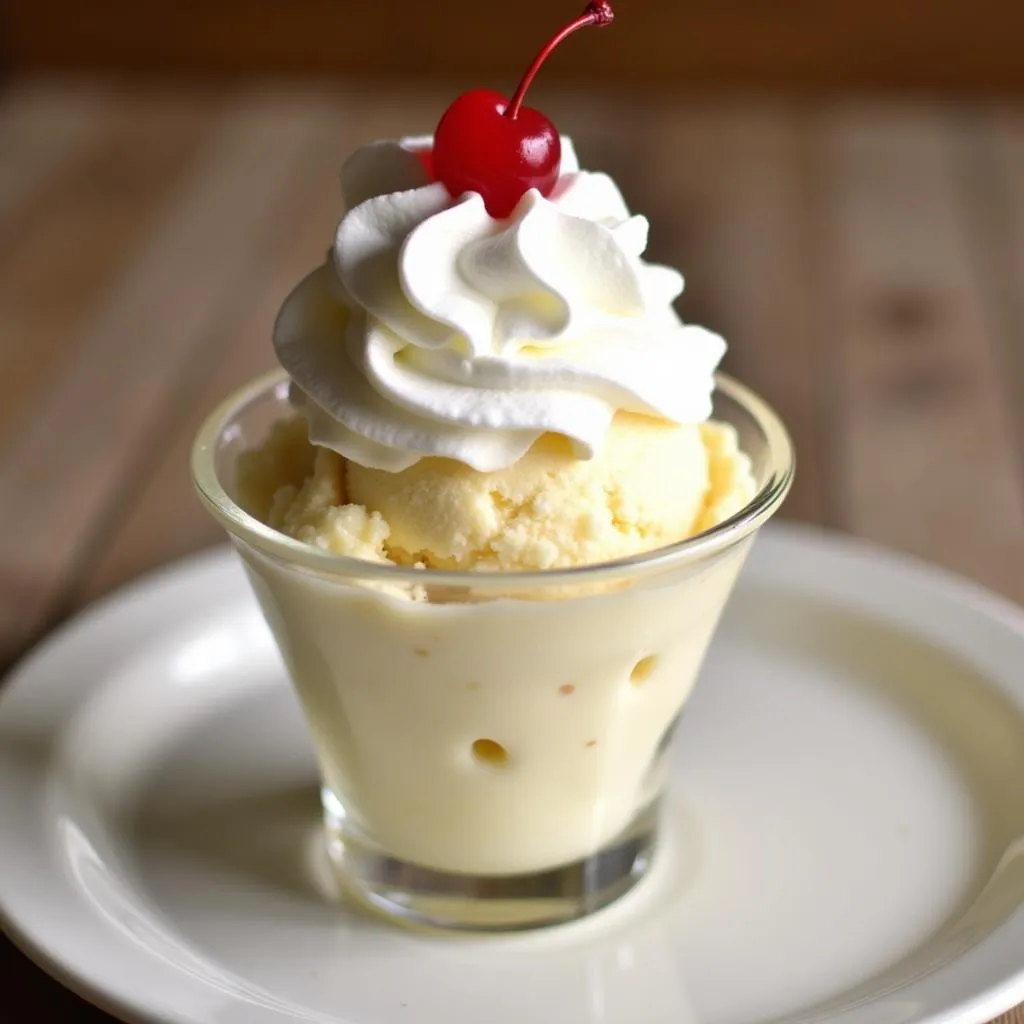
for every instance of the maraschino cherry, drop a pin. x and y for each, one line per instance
(485, 143)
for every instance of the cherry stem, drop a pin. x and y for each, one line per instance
(597, 12)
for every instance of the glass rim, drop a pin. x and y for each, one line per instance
(271, 542)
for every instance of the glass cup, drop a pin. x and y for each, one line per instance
(492, 746)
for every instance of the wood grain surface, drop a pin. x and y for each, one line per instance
(803, 45)
(865, 261)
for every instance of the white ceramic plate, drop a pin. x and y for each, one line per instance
(846, 822)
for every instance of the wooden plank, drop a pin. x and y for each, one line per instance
(96, 426)
(726, 193)
(164, 519)
(994, 164)
(791, 43)
(925, 462)
(85, 221)
(45, 127)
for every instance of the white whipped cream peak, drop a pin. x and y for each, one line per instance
(435, 330)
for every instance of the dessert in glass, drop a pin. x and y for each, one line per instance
(492, 506)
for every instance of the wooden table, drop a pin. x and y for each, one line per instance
(866, 262)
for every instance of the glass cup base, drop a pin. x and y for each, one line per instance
(421, 897)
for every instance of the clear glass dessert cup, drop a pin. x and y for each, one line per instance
(492, 746)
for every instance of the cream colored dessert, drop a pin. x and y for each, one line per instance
(497, 737)
(652, 485)
(485, 397)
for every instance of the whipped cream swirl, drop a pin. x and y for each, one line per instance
(435, 330)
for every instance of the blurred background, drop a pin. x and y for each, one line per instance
(801, 44)
(842, 183)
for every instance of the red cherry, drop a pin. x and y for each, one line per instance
(478, 149)
(499, 148)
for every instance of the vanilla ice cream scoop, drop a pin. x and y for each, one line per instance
(651, 485)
